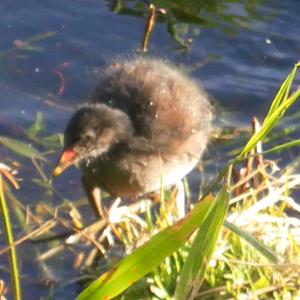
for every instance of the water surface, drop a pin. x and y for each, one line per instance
(240, 59)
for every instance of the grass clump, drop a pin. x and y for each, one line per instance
(254, 255)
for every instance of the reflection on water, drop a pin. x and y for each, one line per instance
(51, 52)
(182, 18)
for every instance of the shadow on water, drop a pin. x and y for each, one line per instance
(50, 56)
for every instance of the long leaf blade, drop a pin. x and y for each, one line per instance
(10, 240)
(193, 271)
(21, 148)
(148, 256)
(255, 243)
(269, 123)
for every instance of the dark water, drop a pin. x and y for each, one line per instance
(240, 55)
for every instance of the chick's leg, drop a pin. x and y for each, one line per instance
(94, 196)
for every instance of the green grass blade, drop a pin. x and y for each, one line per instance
(279, 96)
(290, 81)
(193, 271)
(37, 127)
(269, 123)
(283, 92)
(259, 246)
(279, 148)
(10, 240)
(147, 257)
(21, 148)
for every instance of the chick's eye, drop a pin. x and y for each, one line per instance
(89, 136)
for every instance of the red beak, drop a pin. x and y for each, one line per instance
(66, 159)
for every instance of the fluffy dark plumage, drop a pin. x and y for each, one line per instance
(146, 121)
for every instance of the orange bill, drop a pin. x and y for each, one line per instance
(66, 159)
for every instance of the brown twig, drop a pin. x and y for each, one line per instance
(45, 227)
(8, 173)
(150, 22)
(148, 27)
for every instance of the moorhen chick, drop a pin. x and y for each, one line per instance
(145, 124)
